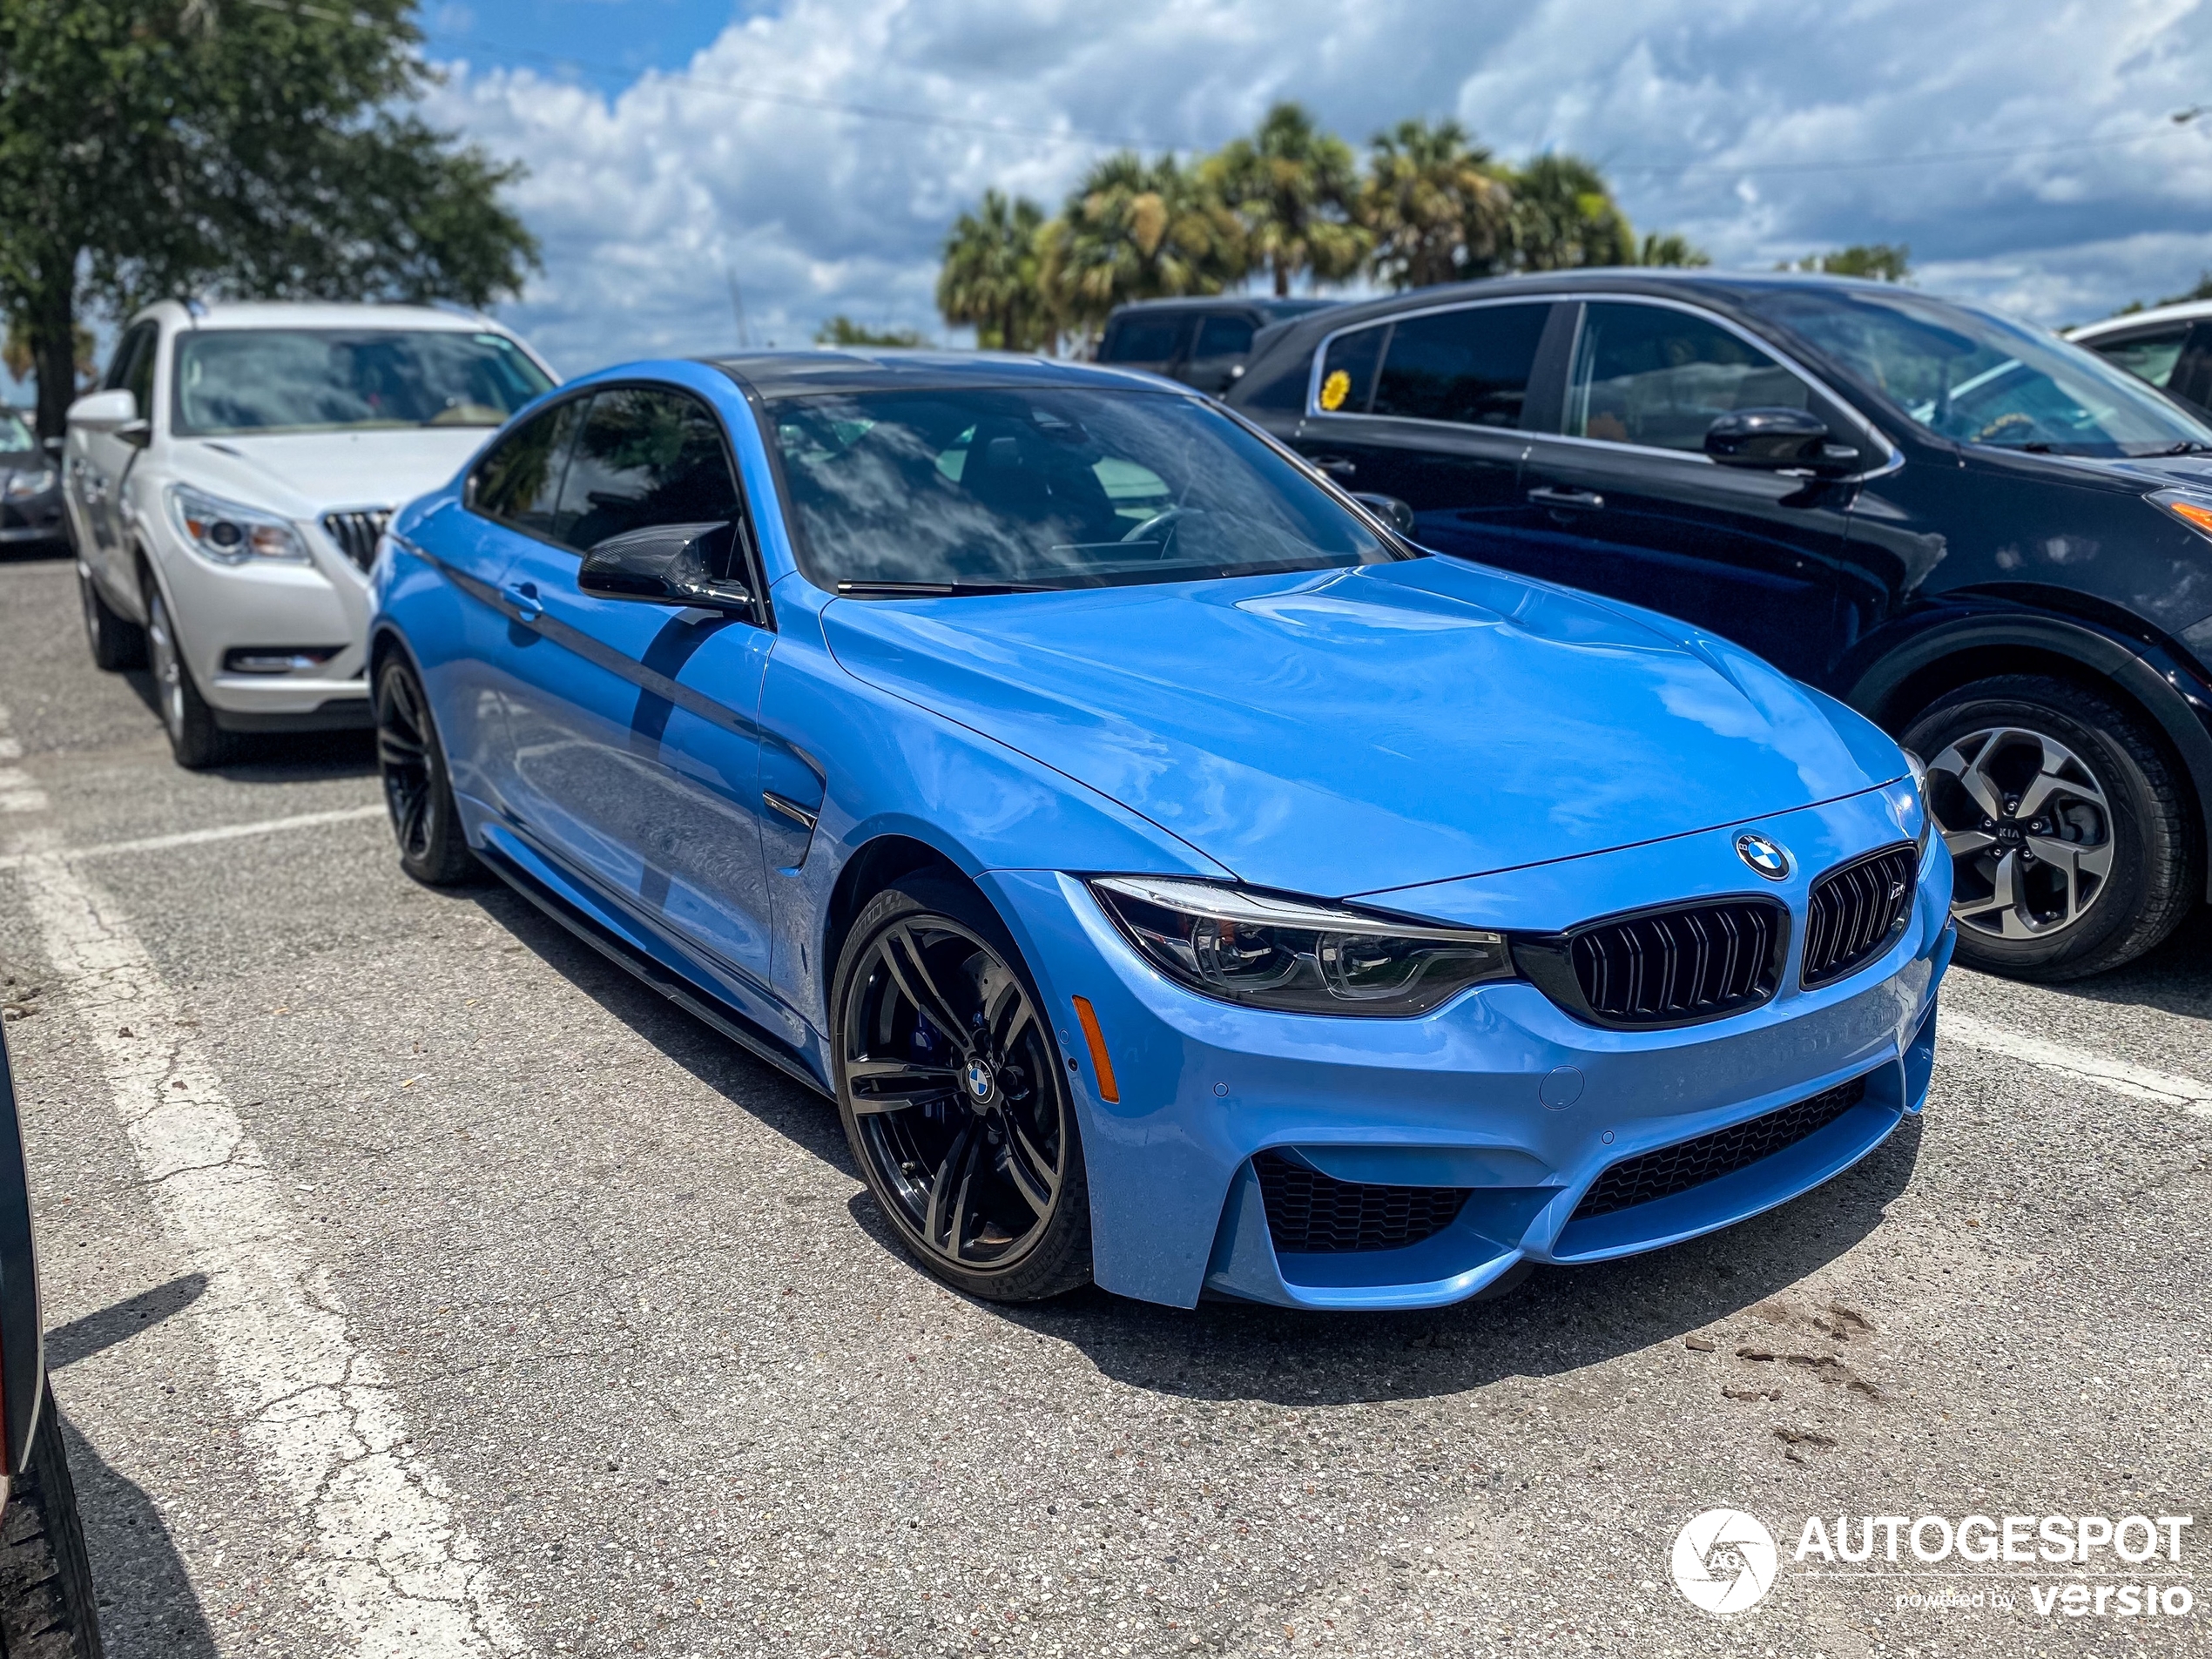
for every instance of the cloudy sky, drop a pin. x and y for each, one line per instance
(816, 150)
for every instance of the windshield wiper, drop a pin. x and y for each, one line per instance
(932, 590)
(2187, 447)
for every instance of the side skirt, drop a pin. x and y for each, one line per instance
(620, 951)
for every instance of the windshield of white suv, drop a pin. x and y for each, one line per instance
(241, 380)
(985, 488)
(1975, 377)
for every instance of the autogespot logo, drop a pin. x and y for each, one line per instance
(1724, 1561)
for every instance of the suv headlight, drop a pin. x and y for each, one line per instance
(1296, 955)
(228, 531)
(23, 485)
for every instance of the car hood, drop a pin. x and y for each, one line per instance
(1346, 731)
(302, 474)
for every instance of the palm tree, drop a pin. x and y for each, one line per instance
(1565, 217)
(1670, 247)
(989, 277)
(1297, 190)
(1137, 230)
(1433, 205)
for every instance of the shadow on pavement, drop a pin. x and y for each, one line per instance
(2176, 977)
(82, 1338)
(147, 1607)
(277, 757)
(1562, 1319)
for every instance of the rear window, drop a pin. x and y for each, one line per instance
(1143, 339)
(1470, 367)
(1348, 370)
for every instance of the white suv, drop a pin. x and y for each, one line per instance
(228, 484)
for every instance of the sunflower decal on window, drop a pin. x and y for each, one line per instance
(1335, 389)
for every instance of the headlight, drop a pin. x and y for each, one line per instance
(1298, 955)
(21, 484)
(230, 533)
(1926, 825)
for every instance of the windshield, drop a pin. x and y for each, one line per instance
(327, 380)
(1049, 486)
(14, 433)
(1978, 378)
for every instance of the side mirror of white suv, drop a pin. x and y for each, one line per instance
(116, 412)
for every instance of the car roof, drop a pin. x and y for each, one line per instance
(789, 373)
(1275, 304)
(2185, 310)
(286, 313)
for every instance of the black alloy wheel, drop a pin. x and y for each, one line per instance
(418, 792)
(953, 1098)
(2071, 839)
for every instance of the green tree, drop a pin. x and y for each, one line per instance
(163, 146)
(990, 278)
(1670, 247)
(1137, 230)
(1296, 190)
(1882, 261)
(15, 354)
(841, 330)
(1564, 217)
(1434, 206)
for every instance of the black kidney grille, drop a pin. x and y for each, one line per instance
(1691, 964)
(1855, 911)
(1670, 1170)
(356, 534)
(1308, 1211)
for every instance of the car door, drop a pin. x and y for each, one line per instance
(1634, 508)
(636, 747)
(98, 458)
(1430, 408)
(511, 501)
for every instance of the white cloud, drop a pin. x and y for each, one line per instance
(2087, 196)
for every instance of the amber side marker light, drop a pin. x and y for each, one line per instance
(1101, 1064)
(2193, 514)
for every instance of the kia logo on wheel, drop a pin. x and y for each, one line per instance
(1764, 855)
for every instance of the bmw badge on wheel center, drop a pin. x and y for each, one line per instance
(1178, 880)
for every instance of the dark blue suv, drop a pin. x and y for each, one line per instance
(1993, 543)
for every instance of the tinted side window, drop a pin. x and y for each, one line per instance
(1470, 367)
(1348, 370)
(1653, 375)
(1223, 337)
(1144, 340)
(2192, 378)
(519, 482)
(644, 457)
(2150, 357)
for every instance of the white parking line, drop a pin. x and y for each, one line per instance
(18, 793)
(388, 1565)
(2141, 1082)
(195, 838)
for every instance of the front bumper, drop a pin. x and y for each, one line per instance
(1459, 1097)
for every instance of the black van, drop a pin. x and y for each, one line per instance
(1201, 342)
(1994, 544)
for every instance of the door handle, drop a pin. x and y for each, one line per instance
(1586, 500)
(1335, 466)
(523, 597)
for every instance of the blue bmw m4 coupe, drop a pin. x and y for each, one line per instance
(1177, 880)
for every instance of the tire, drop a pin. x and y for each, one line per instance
(194, 738)
(2069, 829)
(47, 1609)
(980, 1171)
(418, 788)
(116, 642)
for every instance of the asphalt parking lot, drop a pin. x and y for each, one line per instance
(417, 1283)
